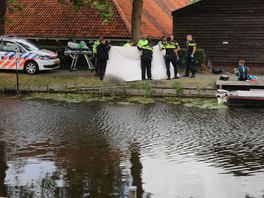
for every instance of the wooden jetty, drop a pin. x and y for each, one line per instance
(232, 85)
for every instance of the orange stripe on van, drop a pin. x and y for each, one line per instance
(8, 62)
(12, 65)
(25, 60)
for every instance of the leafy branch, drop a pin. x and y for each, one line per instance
(104, 7)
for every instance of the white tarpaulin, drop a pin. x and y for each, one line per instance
(124, 64)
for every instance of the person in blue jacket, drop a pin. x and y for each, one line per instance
(242, 72)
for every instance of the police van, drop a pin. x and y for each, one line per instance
(21, 54)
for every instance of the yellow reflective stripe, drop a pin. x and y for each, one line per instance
(95, 46)
(192, 44)
(172, 45)
(148, 48)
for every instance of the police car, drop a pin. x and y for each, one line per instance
(30, 58)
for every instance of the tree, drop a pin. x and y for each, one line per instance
(2, 16)
(136, 19)
(104, 8)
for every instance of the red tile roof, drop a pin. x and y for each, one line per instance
(157, 19)
(49, 18)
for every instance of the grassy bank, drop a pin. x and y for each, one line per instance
(84, 82)
(8, 80)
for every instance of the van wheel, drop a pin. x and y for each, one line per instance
(31, 67)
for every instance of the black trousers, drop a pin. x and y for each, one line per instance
(101, 63)
(95, 61)
(146, 67)
(171, 59)
(190, 65)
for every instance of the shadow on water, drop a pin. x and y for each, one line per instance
(3, 168)
(136, 168)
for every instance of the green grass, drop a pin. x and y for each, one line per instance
(8, 81)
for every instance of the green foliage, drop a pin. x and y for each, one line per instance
(14, 6)
(141, 100)
(179, 87)
(104, 7)
(200, 57)
(143, 85)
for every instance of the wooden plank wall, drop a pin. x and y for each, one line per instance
(241, 23)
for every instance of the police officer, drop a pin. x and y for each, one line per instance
(95, 45)
(162, 42)
(190, 56)
(102, 57)
(145, 46)
(172, 48)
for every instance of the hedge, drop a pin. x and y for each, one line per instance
(200, 58)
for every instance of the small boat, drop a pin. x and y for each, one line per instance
(251, 98)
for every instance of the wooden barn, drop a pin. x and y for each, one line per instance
(228, 30)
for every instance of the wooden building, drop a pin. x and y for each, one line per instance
(228, 30)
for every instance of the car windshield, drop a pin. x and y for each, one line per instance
(28, 45)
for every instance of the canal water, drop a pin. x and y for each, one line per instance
(98, 150)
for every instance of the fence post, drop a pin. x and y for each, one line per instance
(132, 192)
(17, 78)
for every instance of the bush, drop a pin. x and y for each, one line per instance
(200, 58)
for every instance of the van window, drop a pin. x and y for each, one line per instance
(9, 46)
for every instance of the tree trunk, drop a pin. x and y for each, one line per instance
(136, 19)
(2, 16)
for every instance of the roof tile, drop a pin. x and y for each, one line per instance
(49, 18)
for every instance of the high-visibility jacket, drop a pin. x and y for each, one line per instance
(146, 48)
(95, 46)
(127, 45)
(142, 42)
(190, 46)
(170, 47)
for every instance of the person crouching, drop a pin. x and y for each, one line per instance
(146, 58)
(242, 72)
(102, 56)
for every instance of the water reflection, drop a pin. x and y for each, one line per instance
(136, 169)
(54, 149)
(3, 168)
(30, 177)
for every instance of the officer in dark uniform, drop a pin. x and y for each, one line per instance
(102, 56)
(190, 56)
(172, 48)
(95, 45)
(145, 46)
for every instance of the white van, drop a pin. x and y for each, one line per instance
(30, 58)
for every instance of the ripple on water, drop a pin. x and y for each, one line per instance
(231, 140)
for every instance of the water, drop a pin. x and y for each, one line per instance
(56, 149)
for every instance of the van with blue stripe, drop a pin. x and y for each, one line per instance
(21, 54)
